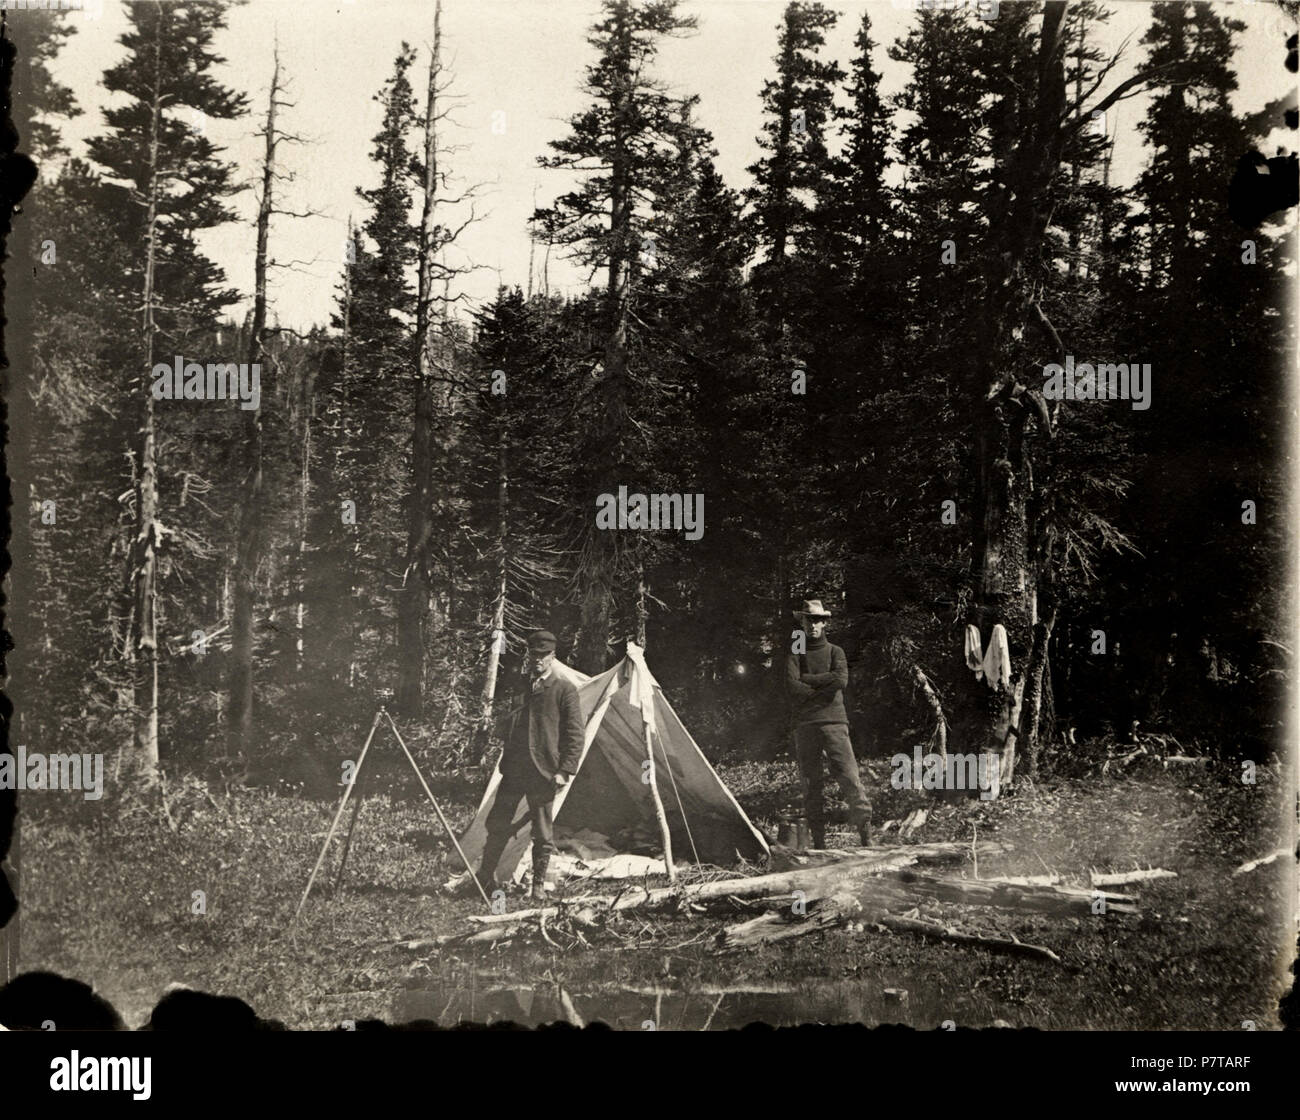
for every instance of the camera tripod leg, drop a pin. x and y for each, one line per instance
(352, 824)
(338, 814)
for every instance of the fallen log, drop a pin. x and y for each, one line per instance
(824, 913)
(1122, 760)
(943, 933)
(1024, 880)
(1121, 878)
(984, 892)
(913, 822)
(836, 911)
(813, 881)
(1263, 861)
(892, 890)
(492, 933)
(784, 858)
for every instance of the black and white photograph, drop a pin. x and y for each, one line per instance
(659, 515)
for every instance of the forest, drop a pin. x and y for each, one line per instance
(844, 354)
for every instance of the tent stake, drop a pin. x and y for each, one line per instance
(660, 816)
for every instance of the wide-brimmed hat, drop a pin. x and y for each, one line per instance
(812, 608)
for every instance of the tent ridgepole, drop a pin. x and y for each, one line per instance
(660, 816)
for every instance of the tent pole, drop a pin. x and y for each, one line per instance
(680, 807)
(660, 816)
(342, 805)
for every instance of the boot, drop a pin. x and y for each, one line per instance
(540, 863)
(487, 868)
(487, 880)
(864, 829)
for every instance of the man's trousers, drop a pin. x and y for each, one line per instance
(540, 793)
(812, 741)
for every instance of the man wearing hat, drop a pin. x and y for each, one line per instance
(540, 757)
(816, 681)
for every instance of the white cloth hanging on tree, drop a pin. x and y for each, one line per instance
(997, 659)
(974, 648)
(993, 666)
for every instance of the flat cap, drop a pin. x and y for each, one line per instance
(541, 641)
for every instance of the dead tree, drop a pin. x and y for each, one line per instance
(422, 559)
(249, 542)
(144, 551)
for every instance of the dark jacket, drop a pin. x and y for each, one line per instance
(817, 689)
(555, 730)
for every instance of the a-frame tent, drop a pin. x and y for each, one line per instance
(608, 795)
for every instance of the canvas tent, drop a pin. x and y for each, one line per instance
(608, 795)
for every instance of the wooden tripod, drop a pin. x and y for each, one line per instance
(380, 715)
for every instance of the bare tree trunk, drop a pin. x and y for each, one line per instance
(249, 540)
(143, 761)
(304, 497)
(1033, 703)
(777, 703)
(342, 441)
(938, 737)
(413, 608)
(642, 611)
(1076, 165)
(499, 604)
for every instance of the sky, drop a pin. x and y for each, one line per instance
(517, 67)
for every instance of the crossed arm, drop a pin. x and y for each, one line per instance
(808, 684)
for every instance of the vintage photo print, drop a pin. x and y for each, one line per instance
(671, 514)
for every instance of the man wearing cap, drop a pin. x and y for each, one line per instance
(540, 757)
(816, 680)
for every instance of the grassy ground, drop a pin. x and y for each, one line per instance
(109, 897)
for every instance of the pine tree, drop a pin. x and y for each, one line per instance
(376, 381)
(1194, 139)
(799, 111)
(1207, 314)
(41, 34)
(943, 145)
(861, 208)
(521, 469)
(624, 146)
(699, 338)
(176, 185)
